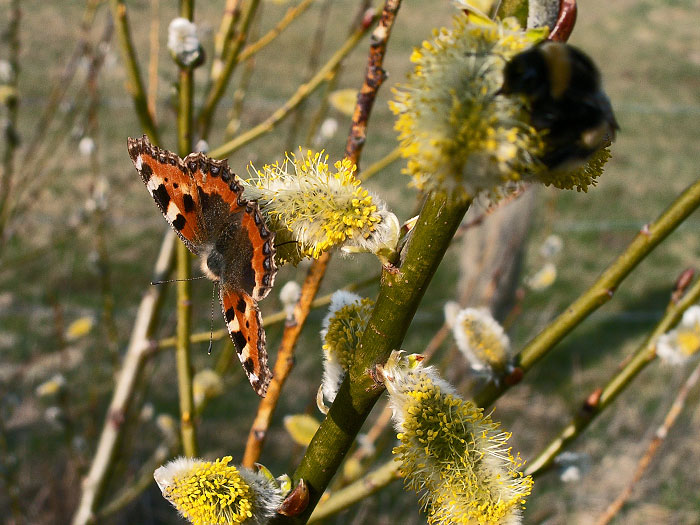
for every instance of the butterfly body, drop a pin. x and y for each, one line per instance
(203, 202)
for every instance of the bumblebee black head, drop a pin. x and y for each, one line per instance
(524, 74)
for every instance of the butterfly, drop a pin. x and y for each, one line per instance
(203, 202)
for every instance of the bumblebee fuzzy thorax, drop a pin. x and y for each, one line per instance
(563, 88)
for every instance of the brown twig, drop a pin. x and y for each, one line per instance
(374, 77)
(318, 267)
(284, 361)
(661, 433)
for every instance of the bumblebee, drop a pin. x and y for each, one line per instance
(563, 88)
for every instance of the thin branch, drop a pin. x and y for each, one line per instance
(601, 398)
(134, 84)
(357, 491)
(224, 36)
(313, 58)
(188, 429)
(231, 59)
(374, 78)
(602, 290)
(292, 14)
(302, 92)
(101, 213)
(136, 354)
(661, 433)
(284, 361)
(268, 320)
(364, 13)
(291, 334)
(381, 164)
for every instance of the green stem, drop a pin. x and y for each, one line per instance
(206, 116)
(401, 291)
(379, 165)
(683, 206)
(644, 355)
(134, 84)
(302, 92)
(602, 290)
(183, 362)
(359, 490)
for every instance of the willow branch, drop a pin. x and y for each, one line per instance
(313, 58)
(292, 14)
(134, 84)
(231, 59)
(284, 361)
(601, 398)
(353, 403)
(183, 362)
(291, 334)
(381, 164)
(224, 36)
(357, 491)
(374, 78)
(136, 354)
(400, 293)
(661, 433)
(602, 290)
(301, 93)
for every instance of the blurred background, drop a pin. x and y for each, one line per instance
(80, 239)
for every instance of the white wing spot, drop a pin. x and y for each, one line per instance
(153, 183)
(139, 162)
(173, 211)
(233, 325)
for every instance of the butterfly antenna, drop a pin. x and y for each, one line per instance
(179, 280)
(211, 324)
(283, 243)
